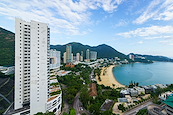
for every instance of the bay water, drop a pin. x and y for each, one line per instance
(145, 74)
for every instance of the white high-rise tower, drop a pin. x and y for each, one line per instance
(31, 65)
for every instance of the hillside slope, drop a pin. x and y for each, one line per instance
(154, 58)
(7, 45)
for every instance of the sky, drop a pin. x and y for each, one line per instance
(129, 26)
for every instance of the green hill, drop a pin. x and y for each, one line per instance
(104, 51)
(154, 58)
(7, 45)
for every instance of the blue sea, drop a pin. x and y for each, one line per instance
(145, 74)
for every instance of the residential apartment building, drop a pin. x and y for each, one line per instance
(32, 70)
(77, 56)
(68, 53)
(93, 55)
(64, 57)
(87, 54)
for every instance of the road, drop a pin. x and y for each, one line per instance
(5, 98)
(66, 107)
(136, 109)
(5, 82)
(77, 105)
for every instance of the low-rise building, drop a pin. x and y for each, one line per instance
(165, 95)
(169, 105)
(93, 90)
(147, 89)
(140, 90)
(153, 87)
(107, 105)
(161, 86)
(124, 100)
(124, 92)
(133, 92)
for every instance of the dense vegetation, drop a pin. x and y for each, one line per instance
(74, 82)
(142, 112)
(79, 83)
(94, 104)
(103, 51)
(6, 47)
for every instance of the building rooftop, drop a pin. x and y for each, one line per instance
(169, 101)
(51, 98)
(93, 89)
(107, 105)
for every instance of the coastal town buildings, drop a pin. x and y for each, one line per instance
(33, 91)
(132, 57)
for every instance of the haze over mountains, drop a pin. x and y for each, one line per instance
(7, 45)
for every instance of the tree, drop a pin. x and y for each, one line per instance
(72, 112)
(121, 107)
(142, 112)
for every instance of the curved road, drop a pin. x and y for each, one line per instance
(77, 105)
(136, 109)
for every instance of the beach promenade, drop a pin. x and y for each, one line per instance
(107, 77)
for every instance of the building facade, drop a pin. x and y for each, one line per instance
(88, 54)
(68, 53)
(93, 55)
(64, 57)
(81, 56)
(55, 59)
(77, 56)
(32, 69)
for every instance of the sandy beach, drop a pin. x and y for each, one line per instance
(107, 78)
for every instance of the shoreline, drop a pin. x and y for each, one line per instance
(108, 79)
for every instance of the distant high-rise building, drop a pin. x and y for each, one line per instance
(88, 54)
(72, 57)
(55, 57)
(68, 53)
(93, 55)
(81, 56)
(32, 61)
(65, 57)
(77, 56)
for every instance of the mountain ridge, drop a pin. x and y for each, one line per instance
(103, 50)
(154, 57)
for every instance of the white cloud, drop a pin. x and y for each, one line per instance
(121, 23)
(64, 16)
(152, 32)
(167, 42)
(157, 10)
(140, 42)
